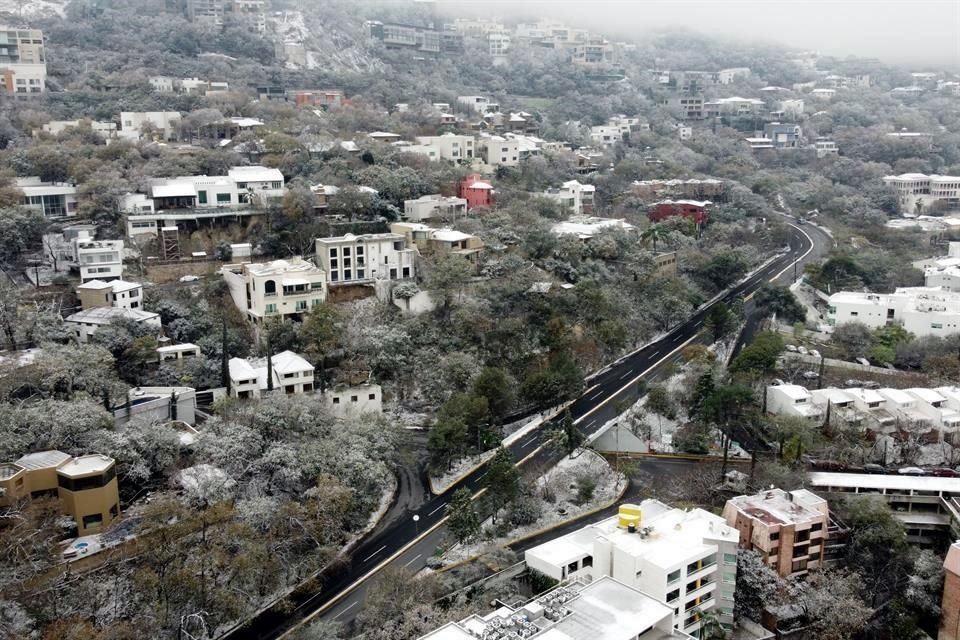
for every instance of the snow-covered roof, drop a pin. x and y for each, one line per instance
(449, 235)
(178, 348)
(479, 185)
(382, 135)
(897, 396)
(289, 362)
(792, 391)
(86, 465)
(117, 286)
(106, 315)
(240, 369)
(587, 227)
(255, 173)
(244, 123)
(929, 396)
(175, 189)
(295, 264)
(42, 459)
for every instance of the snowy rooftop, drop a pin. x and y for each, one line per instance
(8, 470)
(118, 286)
(240, 369)
(832, 395)
(255, 174)
(889, 482)
(86, 465)
(279, 267)
(692, 203)
(43, 459)
(777, 507)
(289, 362)
(587, 227)
(367, 237)
(173, 189)
(930, 396)
(106, 315)
(792, 391)
(246, 122)
(178, 348)
(449, 235)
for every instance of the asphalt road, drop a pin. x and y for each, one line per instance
(407, 543)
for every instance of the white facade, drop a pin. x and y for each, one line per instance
(498, 43)
(116, 293)
(178, 352)
(575, 196)
(256, 181)
(105, 130)
(364, 259)
(161, 84)
(792, 108)
(99, 259)
(792, 400)
(607, 136)
(685, 558)
(354, 401)
(916, 191)
(478, 104)
(825, 148)
(450, 146)
(434, 206)
(279, 288)
(727, 76)
(132, 122)
(291, 375)
(932, 404)
(823, 94)
(498, 151)
(85, 323)
(684, 132)
(52, 199)
(903, 406)
(922, 311)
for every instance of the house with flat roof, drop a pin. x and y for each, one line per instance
(116, 293)
(431, 241)
(573, 195)
(281, 288)
(604, 609)
(351, 401)
(792, 400)
(364, 259)
(840, 406)
(178, 352)
(52, 199)
(684, 558)
(922, 311)
(450, 146)
(434, 207)
(586, 227)
(85, 323)
(291, 374)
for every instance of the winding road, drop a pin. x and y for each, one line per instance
(409, 544)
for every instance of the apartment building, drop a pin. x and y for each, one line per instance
(696, 210)
(99, 259)
(605, 609)
(607, 136)
(950, 606)
(576, 197)
(256, 183)
(52, 199)
(596, 52)
(163, 124)
(116, 293)
(478, 104)
(793, 400)
(478, 27)
(366, 258)
(450, 146)
(687, 107)
(787, 528)
(498, 151)
(346, 401)
(937, 409)
(23, 62)
(280, 288)
(783, 135)
(693, 188)
(498, 44)
(85, 323)
(434, 207)
(838, 407)
(922, 311)
(85, 485)
(430, 241)
(917, 191)
(684, 558)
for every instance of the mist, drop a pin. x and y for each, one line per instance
(913, 33)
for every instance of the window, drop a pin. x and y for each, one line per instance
(271, 308)
(775, 535)
(333, 252)
(393, 274)
(202, 197)
(729, 578)
(346, 251)
(354, 398)
(373, 396)
(729, 558)
(346, 262)
(361, 274)
(336, 400)
(301, 305)
(346, 274)
(673, 596)
(817, 526)
(359, 251)
(114, 510)
(93, 520)
(223, 198)
(936, 325)
(406, 272)
(398, 246)
(854, 313)
(673, 576)
(334, 263)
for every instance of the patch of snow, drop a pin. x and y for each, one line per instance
(34, 9)
(461, 468)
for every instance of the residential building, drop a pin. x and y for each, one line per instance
(323, 98)
(106, 130)
(922, 311)
(347, 401)
(586, 227)
(904, 406)
(942, 272)
(162, 124)
(243, 379)
(280, 288)
(252, 13)
(696, 210)
(783, 136)
(498, 44)
(823, 94)
(596, 52)
(605, 609)
(918, 191)
(684, 558)
(665, 263)
(935, 407)
(162, 84)
(825, 147)
(607, 136)
(476, 191)
(116, 293)
(728, 76)
(498, 151)
(255, 183)
(478, 104)
(734, 106)
(793, 400)
(366, 258)
(792, 108)
(684, 132)
(85, 323)
(871, 404)
(950, 603)
(159, 404)
(439, 241)
(478, 27)
(23, 62)
(434, 207)
(687, 107)
(291, 374)
(907, 92)
(52, 199)
(86, 486)
(758, 143)
(576, 197)
(99, 259)
(787, 528)
(60, 249)
(450, 146)
(692, 188)
(838, 407)
(178, 352)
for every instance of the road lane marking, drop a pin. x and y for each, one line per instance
(628, 373)
(482, 475)
(375, 553)
(655, 353)
(412, 561)
(352, 605)
(525, 444)
(595, 396)
(437, 509)
(806, 253)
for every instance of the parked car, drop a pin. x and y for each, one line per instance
(873, 468)
(777, 382)
(871, 385)
(189, 278)
(802, 350)
(790, 347)
(911, 471)
(943, 472)
(828, 465)
(814, 353)
(809, 375)
(853, 382)
(863, 361)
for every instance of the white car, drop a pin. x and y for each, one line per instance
(790, 347)
(809, 375)
(814, 353)
(189, 278)
(802, 350)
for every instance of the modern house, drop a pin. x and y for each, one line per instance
(52, 199)
(450, 146)
(430, 241)
(290, 373)
(280, 288)
(347, 401)
(684, 558)
(918, 191)
(434, 207)
(783, 135)
(116, 293)
(365, 259)
(99, 259)
(793, 400)
(576, 197)
(23, 62)
(922, 311)
(498, 151)
(162, 124)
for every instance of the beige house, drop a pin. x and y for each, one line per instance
(279, 288)
(439, 241)
(116, 293)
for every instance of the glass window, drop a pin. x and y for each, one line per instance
(223, 198)
(92, 520)
(333, 252)
(202, 197)
(729, 558)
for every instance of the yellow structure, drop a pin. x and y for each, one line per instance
(629, 515)
(86, 486)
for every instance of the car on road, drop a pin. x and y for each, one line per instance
(911, 471)
(873, 468)
(814, 353)
(189, 278)
(871, 385)
(809, 375)
(852, 382)
(943, 472)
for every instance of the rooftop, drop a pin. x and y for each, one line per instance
(8, 470)
(929, 396)
(776, 506)
(279, 267)
(449, 235)
(117, 286)
(86, 465)
(240, 369)
(692, 203)
(832, 395)
(255, 173)
(106, 315)
(897, 396)
(587, 227)
(889, 482)
(792, 391)
(367, 237)
(43, 459)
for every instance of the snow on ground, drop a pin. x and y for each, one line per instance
(459, 469)
(33, 9)
(562, 478)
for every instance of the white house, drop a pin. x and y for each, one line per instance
(291, 374)
(52, 199)
(904, 406)
(728, 76)
(792, 400)
(873, 405)
(607, 136)
(178, 352)
(164, 122)
(825, 147)
(106, 130)
(279, 288)
(354, 401)
(449, 146)
(499, 151)
(85, 323)
(434, 207)
(842, 406)
(257, 181)
(363, 259)
(917, 191)
(99, 259)
(243, 379)
(922, 311)
(116, 293)
(685, 558)
(932, 404)
(478, 104)
(578, 198)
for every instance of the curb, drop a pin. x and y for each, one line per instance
(692, 457)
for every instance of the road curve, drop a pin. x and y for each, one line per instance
(409, 544)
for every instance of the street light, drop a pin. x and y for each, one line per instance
(416, 523)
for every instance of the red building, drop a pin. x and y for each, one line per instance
(475, 191)
(696, 210)
(316, 98)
